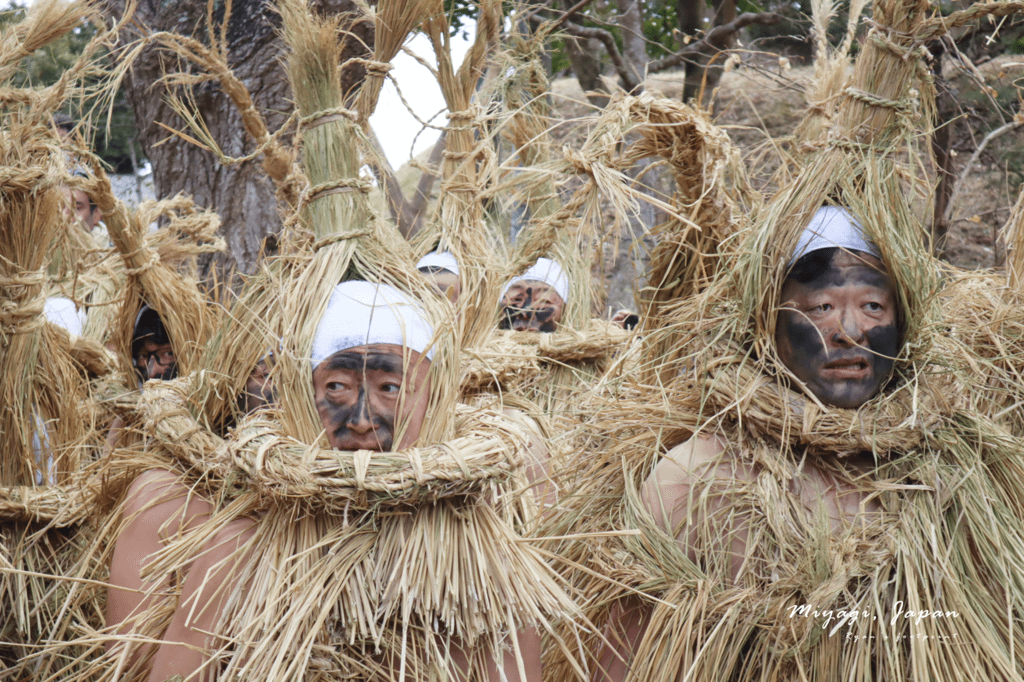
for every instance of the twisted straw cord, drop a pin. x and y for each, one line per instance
(258, 459)
(25, 316)
(578, 160)
(874, 100)
(21, 179)
(882, 36)
(319, 118)
(489, 448)
(373, 67)
(340, 237)
(469, 115)
(29, 279)
(154, 258)
(342, 186)
(45, 505)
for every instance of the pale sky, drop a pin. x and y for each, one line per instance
(395, 126)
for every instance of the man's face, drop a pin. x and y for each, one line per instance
(365, 394)
(838, 332)
(156, 361)
(531, 306)
(446, 283)
(259, 389)
(87, 215)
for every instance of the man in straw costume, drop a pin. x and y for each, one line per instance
(399, 560)
(534, 301)
(441, 269)
(844, 504)
(370, 362)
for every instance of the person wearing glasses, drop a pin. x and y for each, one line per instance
(152, 352)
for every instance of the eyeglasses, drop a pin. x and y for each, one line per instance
(163, 358)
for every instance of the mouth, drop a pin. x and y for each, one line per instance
(375, 443)
(846, 368)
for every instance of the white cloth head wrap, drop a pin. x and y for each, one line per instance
(547, 271)
(830, 227)
(440, 259)
(63, 313)
(361, 313)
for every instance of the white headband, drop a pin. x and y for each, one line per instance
(63, 313)
(440, 259)
(547, 271)
(830, 227)
(361, 313)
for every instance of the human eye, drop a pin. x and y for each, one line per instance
(335, 386)
(822, 308)
(391, 387)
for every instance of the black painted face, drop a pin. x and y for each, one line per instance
(531, 306)
(364, 395)
(838, 332)
(156, 361)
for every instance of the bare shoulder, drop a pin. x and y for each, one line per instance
(667, 491)
(538, 466)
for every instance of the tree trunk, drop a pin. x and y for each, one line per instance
(691, 21)
(945, 110)
(699, 75)
(634, 44)
(586, 66)
(725, 12)
(241, 194)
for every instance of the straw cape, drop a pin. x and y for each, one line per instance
(48, 421)
(363, 564)
(813, 600)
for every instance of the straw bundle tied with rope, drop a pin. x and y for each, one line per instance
(942, 472)
(50, 425)
(457, 224)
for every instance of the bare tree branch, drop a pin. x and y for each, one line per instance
(401, 211)
(421, 199)
(569, 13)
(712, 38)
(955, 194)
(629, 79)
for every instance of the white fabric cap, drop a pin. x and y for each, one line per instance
(63, 313)
(361, 313)
(830, 227)
(547, 271)
(440, 259)
(138, 318)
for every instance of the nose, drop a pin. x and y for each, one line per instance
(360, 421)
(151, 364)
(850, 331)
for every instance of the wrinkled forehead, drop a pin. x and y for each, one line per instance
(385, 357)
(540, 292)
(837, 267)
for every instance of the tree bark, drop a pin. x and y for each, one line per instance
(634, 43)
(691, 21)
(241, 194)
(701, 71)
(725, 12)
(587, 68)
(945, 109)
